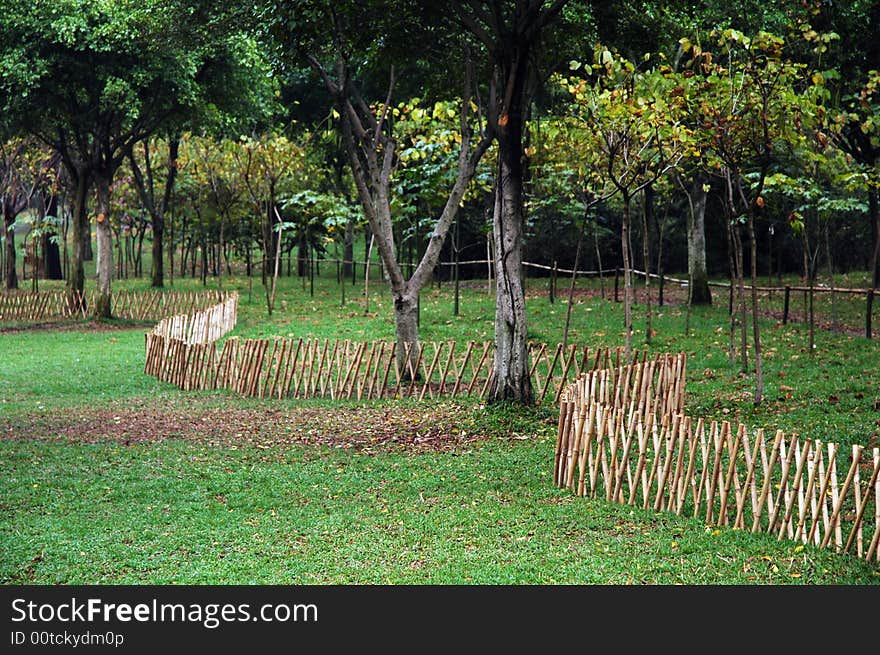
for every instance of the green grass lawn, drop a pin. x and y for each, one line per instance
(112, 477)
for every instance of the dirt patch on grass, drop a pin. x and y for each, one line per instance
(436, 427)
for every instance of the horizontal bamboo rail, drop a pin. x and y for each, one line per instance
(634, 451)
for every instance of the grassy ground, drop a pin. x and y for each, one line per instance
(112, 477)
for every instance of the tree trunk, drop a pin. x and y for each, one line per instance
(9, 231)
(76, 279)
(699, 279)
(406, 328)
(627, 276)
(51, 253)
(874, 210)
(348, 251)
(648, 199)
(756, 331)
(511, 379)
(88, 253)
(105, 248)
(741, 298)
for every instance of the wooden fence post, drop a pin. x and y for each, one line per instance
(616, 284)
(868, 312)
(785, 305)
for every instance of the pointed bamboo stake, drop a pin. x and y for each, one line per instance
(860, 512)
(681, 442)
(857, 495)
(599, 456)
(669, 442)
(550, 370)
(751, 462)
(812, 469)
(639, 478)
(622, 466)
(560, 436)
(615, 428)
(800, 460)
(657, 439)
(580, 417)
(732, 450)
(460, 372)
(873, 546)
(444, 373)
(290, 372)
(824, 494)
(438, 347)
(586, 458)
(782, 496)
(688, 481)
(273, 365)
(718, 439)
(838, 504)
(537, 358)
(567, 364)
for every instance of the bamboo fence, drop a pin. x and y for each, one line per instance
(30, 307)
(632, 450)
(337, 369)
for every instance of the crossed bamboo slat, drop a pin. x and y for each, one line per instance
(342, 369)
(637, 453)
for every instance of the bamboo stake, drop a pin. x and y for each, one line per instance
(789, 503)
(669, 442)
(751, 462)
(586, 458)
(580, 415)
(657, 464)
(857, 495)
(460, 371)
(290, 370)
(450, 362)
(718, 439)
(835, 514)
(813, 469)
(857, 525)
(783, 484)
(732, 450)
(437, 349)
(689, 474)
(768, 478)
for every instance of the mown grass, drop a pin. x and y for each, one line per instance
(183, 513)
(184, 510)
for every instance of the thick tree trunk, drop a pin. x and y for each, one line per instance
(10, 273)
(406, 329)
(104, 304)
(511, 379)
(699, 292)
(51, 253)
(87, 252)
(51, 259)
(76, 278)
(158, 278)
